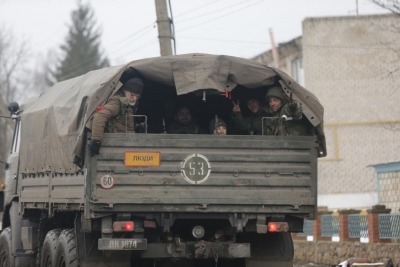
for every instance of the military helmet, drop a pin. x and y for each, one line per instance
(277, 92)
(212, 125)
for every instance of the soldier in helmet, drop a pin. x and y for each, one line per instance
(217, 127)
(289, 113)
(252, 124)
(116, 116)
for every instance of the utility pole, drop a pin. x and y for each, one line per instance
(164, 28)
(357, 7)
(275, 54)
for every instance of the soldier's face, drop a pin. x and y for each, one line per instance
(253, 105)
(274, 103)
(183, 116)
(132, 97)
(221, 130)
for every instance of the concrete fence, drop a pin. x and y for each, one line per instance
(331, 253)
(377, 226)
(379, 247)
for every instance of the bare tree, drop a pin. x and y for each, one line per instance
(391, 69)
(391, 5)
(13, 59)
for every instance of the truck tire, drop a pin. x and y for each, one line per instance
(6, 259)
(48, 252)
(66, 251)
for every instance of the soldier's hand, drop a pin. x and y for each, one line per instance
(236, 107)
(94, 147)
(292, 106)
(140, 128)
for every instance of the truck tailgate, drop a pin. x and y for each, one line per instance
(270, 174)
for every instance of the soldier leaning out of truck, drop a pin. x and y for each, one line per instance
(117, 113)
(289, 113)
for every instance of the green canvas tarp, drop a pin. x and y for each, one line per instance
(53, 127)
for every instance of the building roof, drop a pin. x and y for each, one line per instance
(284, 49)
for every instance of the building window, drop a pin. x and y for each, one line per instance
(298, 71)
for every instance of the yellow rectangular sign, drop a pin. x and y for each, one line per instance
(142, 158)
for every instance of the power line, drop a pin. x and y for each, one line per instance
(303, 45)
(214, 11)
(140, 47)
(72, 68)
(119, 49)
(224, 40)
(135, 33)
(88, 60)
(195, 9)
(220, 16)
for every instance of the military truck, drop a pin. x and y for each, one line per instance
(156, 199)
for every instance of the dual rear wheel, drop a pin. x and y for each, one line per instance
(59, 249)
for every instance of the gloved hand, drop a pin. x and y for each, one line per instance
(292, 106)
(94, 147)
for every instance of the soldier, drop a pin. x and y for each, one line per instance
(116, 115)
(252, 123)
(217, 128)
(184, 123)
(290, 114)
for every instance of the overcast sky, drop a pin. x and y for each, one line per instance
(232, 27)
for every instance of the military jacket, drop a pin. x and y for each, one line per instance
(176, 128)
(295, 127)
(116, 117)
(252, 123)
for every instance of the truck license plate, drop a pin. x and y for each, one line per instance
(122, 244)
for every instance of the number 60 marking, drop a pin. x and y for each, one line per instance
(107, 181)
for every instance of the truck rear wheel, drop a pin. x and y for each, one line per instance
(66, 252)
(6, 258)
(48, 252)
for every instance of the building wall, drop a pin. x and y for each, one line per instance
(347, 63)
(389, 190)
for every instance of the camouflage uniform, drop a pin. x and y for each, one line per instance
(295, 127)
(252, 124)
(115, 117)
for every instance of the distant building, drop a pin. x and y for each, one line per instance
(290, 59)
(388, 182)
(347, 62)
